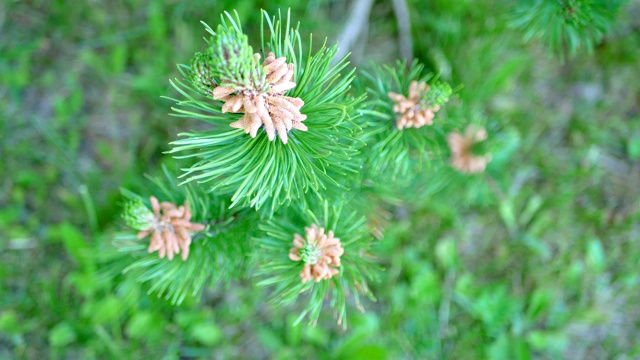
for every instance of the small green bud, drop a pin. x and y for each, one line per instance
(201, 76)
(310, 254)
(438, 94)
(233, 60)
(574, 13)
(137, 215)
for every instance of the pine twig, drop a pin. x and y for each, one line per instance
(401, 10)
(358, 20)
(495, 188)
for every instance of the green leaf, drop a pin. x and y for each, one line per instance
(633, 146)
(595, 259)
(500, 348)
(74, 243)
(426, 287)
(269, 338)
(538, 305)
(538, 247)
(316, 335)
(531, 209)
(62, 334)
(357, 345)
(555, 341)
(294, 333)
(495, 308)
(104, 311)
(507, 347)
(9, 322)
(447, 253)
(206, 333)
(507, 213)
(367, 352)
(145, 325)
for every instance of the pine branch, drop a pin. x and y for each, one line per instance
(356, 23)
(266, 174)
(216, 254)
(566, 25)
(286, 277)
(402, 134)
(401, 10)
(301, 244)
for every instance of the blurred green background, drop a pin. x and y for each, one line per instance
(548, 270)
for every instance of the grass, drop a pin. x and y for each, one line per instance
(537, 259)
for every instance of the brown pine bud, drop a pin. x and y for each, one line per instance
(413, 112)
(171, 229)
(267, 106)
(462, 158)
(320, 253)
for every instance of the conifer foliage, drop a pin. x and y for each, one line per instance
(566, 25)
(276, 184)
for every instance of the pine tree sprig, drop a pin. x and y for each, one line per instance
(266, 174)
(566, 25)
(394, 152)
(282, 275)
(216, 255)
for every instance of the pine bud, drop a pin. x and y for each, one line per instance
(319, 252)
(438, 94)
(201, 76)
(233, 59)
(420, 106)
(463, 157)
(265, 105)
(137, 215)
(169, 225)
(310, 254)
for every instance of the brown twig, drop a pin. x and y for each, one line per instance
(357, 21)
(401, 10)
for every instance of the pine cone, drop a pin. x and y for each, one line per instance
(170, 230)
(266, 105)
(412, 111)
(461, 156)
(319, 251)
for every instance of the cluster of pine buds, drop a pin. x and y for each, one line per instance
(170, 229)
(265, 105)
(461, 145)
(320, 253)
(413, 112)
